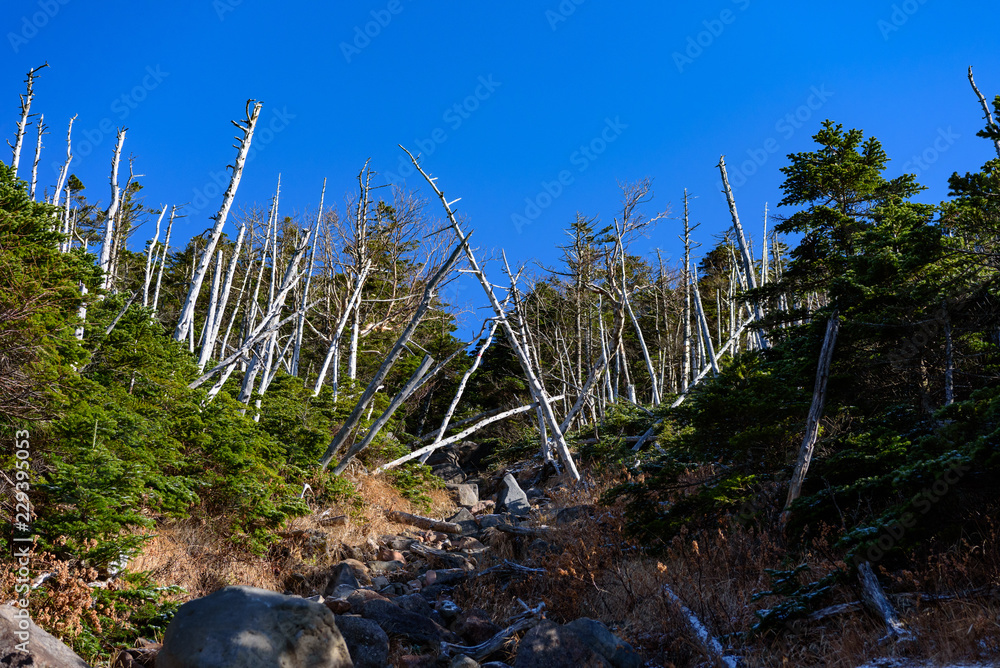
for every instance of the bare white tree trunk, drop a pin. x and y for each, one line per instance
(949, 368)
(300, 325)
(211, 315)
(111, 214)
(533, 383)
(64, 170)
(163, 259)
(748, 268)
(986, 110)
(246, 129)
(706, 333)
(332, 354)
(219, 300)
(390, 359)
(38, 156)
(22, 125)
(148, 274)
(815, 413)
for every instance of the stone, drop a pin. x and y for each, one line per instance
(575, 514)
(462, 661)
(475, 626)
(483, 507)
(512, 498)
(394, 620)
(366, 641)
(465, 519)
(394, 589)
(490, 521)
(465, 494)
(448, 610)
(341, 577)
(44, 650)
(340, 591)
(396, 542)
(418, 604)
(253, 628)
(468, 544)
(389, 554)
(449, 472)
(385, 566)
(549, 645)
(380, 582)
(618, 652)
(358, 598)
(338, 606)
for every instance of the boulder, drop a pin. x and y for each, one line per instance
(465, 519)
(342, 581)
(462, 661)
(415, 603)
(475, 626)
(618, 652)
(449, 472)
(575, 514)
(394, 620)
(253, 628)
(44, 650)
(512, 498)
(465, 495)
(488, 521)
(358, 599)
(385, 566)
(549, 645)
(366, 641)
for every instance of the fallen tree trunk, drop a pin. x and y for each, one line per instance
(708, 644)
(423, 522)
(874, 599)
(478, 652)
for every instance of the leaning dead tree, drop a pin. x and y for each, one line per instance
(990, 123)
(22, 124)
(383, 371)
(534, 385)
(111, 214)
(186, 320)
(815, 413)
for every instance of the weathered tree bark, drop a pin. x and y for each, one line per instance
(187, 310)
(744, 249)
(300, 324)
(874, 599)
(423, 522)
(391, 357)
(533, 383)
(459, 436)
(163, 259)
(211, 314)
(333, 352)
(708, 644)
(147, 276)
(111, 214)
(38, 156)
(218, 302)
(706, 334)
(988, 115)
(22, 125)
(815, 413)
(64, 170)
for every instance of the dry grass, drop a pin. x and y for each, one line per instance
(593, 572)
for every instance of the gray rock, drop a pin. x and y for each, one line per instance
(448, 610)
(380, 582)
(415, 603)
(253, 628)
(618, 652)
(466, 495)
(512, 498)
(465, 519)
(44, 650)
(358, 598)
(366, 641)
(574, 514)
(449, 472)
(342, 579)
(340, 591)
(475, 626)
(385, 566)
(548, 645)
(488, 521)
(462, 661)
(394, 620)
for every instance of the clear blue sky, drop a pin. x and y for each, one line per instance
(674, 85)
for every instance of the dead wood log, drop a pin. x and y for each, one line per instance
(708, 644)
(875, 600)
(423, 522)
(478, 652)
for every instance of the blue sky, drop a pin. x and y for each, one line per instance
(502, 99)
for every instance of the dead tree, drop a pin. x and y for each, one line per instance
(219, 300)
(64, 170)
(38, 156)
(148, 274)
(163, 259)
(300, 324)
(22, 124)
(111, 214)
(815, 413)
(538, 394)
(186, 319)
(383, 371)
(988, 115)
